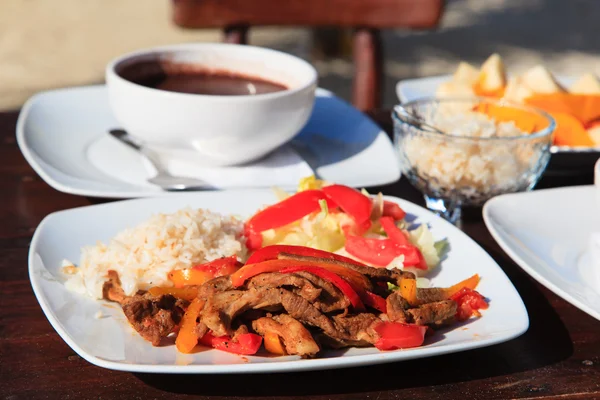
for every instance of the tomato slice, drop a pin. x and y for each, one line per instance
(469, 303)
(351, 201)
(334, 279)
(283, 213)
(381, 252)
(246, 344)
(395, 335)
(272, 252)
(393, 232)
(391, 209)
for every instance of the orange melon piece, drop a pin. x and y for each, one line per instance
(570, 131)
(524, 120)
(584, 107)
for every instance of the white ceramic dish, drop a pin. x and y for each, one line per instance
(564, 159)
(63, 135)
(224, 130)
(109, 341)
(555, 250)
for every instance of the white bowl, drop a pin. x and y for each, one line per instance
(223, 130)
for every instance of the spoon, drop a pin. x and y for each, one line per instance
(414, 119)
(163, 178)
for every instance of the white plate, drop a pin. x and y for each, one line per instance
(110, 342)
(61, 133)
(412, 89)
(547, 233)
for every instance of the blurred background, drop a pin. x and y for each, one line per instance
(46, 44)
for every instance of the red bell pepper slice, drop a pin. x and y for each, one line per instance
(469, 303)
(246, 343)
(283, 213)
(395, 335)
(381, 252)
(356, 279)
(351, 201)
(334, 279)
(372, 300)
(391, 209)
(272, 252)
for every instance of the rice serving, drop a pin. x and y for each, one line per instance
(144, 255)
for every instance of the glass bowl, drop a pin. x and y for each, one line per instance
(457, 157)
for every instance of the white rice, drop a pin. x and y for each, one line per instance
(144, 255)
(471, 168)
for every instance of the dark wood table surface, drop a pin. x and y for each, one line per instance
(557, 358)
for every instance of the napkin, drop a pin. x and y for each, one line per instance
(283, 167)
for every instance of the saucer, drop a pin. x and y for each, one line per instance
(63, 134)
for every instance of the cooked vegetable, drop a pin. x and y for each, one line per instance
(188, 293)
(246, 344)
(186, 338)
(272, 252)
(469, 303)
(199, 274)
(273, 344)
(239, 277)
(394, 335)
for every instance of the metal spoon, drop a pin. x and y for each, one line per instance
(414, 119)
(163, 178)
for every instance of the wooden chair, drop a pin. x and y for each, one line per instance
(367, 17)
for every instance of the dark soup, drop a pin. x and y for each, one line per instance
(194, 79)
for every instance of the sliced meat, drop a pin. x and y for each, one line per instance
(296, 339)
(219, 310)
(154, 317)
(331, 298)
(112, 289)
(222, 308)
(396, 307)
(215, 285)
(303, 286)
(358, 329)
(431, 295)
(438, 313)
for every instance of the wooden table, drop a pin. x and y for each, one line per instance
(558, 357)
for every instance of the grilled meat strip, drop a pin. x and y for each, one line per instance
(153, 317)
(296, 339)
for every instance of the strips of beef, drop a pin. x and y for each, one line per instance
(307, 312)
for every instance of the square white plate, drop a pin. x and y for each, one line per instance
(63, 135)
(548, 234)
(111, 343)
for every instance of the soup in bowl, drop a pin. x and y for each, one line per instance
(230, 104)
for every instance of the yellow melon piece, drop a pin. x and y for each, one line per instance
(466, 73)
(540, 80)
(586, 84)
(517, 91)
(492, 77)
